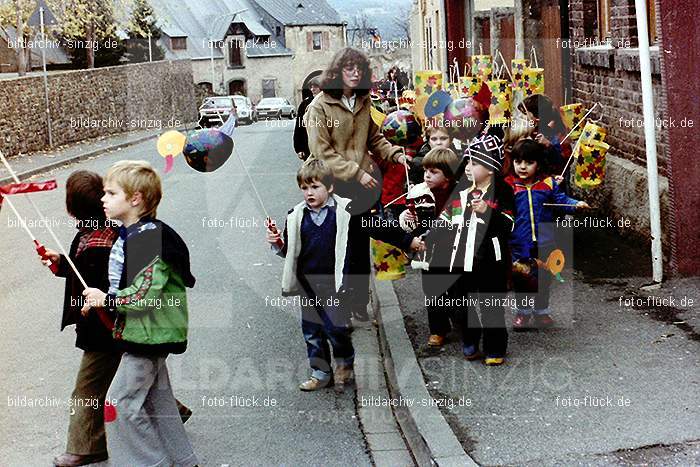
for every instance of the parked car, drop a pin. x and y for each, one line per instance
(215, 110)
(275, 107)
(244, 108)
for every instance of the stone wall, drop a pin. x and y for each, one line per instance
(91, 103)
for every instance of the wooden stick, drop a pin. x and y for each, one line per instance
(505, 65)
(394, 200)
(481, 50)
(580, 122)
(571, 157)
(557, 204)
(48, 227)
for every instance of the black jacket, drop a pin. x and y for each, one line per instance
(301, 138)
(92, 331)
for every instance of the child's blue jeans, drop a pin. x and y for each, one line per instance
(324, 319)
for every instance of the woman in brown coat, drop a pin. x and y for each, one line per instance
(342, 133)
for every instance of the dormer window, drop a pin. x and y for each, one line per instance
(178, 43)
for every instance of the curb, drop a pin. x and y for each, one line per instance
(430, 438)
(77, 158)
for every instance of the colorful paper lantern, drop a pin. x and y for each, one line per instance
(427, 82)
(170, 144)
(464, 118)
(469, 86)
(592, 133)
(501, 97)
(207, 150)
(572, 115)
(401, 128)
(482, 66)
(437, 103)
(389, 262)
(534, 81)
(590, 163)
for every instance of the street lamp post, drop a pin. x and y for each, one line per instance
(43, 16)
(215, 19)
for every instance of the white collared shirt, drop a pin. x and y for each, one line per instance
(349, 102)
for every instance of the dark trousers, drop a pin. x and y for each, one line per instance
(324, 319)
(485, 287)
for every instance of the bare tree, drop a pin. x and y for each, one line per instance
(402, 22)
(360, 29)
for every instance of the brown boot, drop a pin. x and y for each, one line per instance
(74, 460)
(344, 376)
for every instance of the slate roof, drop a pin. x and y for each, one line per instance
(54, 55)
(290, 13)
(198, 19)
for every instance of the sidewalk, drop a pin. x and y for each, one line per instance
(638, 364)
(27, 165)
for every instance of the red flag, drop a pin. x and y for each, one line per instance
(29, 187)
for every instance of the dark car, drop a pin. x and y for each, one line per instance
(215, 110)
(275, 107)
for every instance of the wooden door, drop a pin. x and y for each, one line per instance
(552, 60)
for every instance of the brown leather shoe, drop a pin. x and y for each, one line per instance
(314, 384)
(436, 340)
(73, 460)
(344, 375)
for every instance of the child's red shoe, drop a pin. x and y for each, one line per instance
(544, 321)
(521, 323)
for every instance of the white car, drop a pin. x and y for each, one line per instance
(246, 112)
(275, 107)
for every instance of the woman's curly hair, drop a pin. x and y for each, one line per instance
(332, 78)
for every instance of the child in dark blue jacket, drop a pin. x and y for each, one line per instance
(533, 234)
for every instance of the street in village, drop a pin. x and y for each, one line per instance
(246, 354)
(242, 348)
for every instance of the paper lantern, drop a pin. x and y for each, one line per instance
(401, 128)
(453, 90)
(501, 97)
(427, 82)
(464, 118)
(469, 86)
(572, 115)
(388, 261)
(482, 66)
(590, 163)
(592, 133)
(169, 145)
(517, 69)
(534, 81)
(419, 107)
(207, 150)
(437, 103)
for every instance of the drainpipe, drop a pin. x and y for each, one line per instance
(650, 140)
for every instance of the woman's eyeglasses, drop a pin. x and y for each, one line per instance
(352, 69)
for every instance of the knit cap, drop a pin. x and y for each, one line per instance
(487, 150)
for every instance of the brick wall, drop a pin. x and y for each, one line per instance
(609, 75)
(129, 97)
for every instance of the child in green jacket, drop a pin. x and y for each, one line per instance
(149, 270)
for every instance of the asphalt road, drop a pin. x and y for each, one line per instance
(242, 344)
